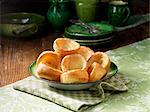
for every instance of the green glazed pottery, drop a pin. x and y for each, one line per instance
(94, 44)
(21, 24)
(86, 9)
(118, 13)
(81, 35)
(73, 86)
(79, 32)
(58, 14)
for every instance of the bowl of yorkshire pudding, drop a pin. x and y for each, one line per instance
(71, 66)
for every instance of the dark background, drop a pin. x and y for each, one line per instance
(41, 6)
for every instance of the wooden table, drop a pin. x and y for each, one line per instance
(16, 55)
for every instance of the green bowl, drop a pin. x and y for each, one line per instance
(73, 86)
(21, 24)
(79, 32)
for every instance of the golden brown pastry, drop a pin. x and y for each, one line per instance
(65, 46)
(96, 57)
(105, 61)
(73, 61)
(53, 59)
(96, 72)
(43, 70)
(74, 76)
(86, 52)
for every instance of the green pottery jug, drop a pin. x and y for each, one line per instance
(58, 13)
(118, 13)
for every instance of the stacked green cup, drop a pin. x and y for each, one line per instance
(86, 9)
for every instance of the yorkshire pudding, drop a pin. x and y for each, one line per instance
(73, 61)
(45, 71)
(74, 76)
(105, 61)
(86, 52)
(53, 59)
(96, 57)
(65, 46)
(96, 72)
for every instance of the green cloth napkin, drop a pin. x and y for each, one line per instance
(74, 100)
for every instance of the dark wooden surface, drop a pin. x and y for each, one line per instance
(16, 55)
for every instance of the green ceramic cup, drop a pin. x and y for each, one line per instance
(86, 9)
(118, 13)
